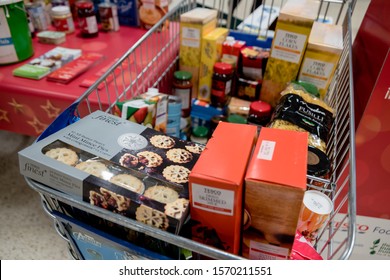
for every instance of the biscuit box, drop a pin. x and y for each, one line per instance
(129, 169)
(322, 55)
(194, 25)
(275, 184)
(288, 46)
(210, 54)
(217, 187)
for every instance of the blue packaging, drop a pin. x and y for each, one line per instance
(202, 112)
(174, 116)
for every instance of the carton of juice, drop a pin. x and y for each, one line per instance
(288, 46)
(322, 55)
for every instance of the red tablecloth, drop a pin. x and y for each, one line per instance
(29, 106)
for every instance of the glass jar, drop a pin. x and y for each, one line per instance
(182, 87)
(259, 113)
(87, 21)
(221, 84)
(62, 19)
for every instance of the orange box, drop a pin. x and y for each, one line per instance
(275, 184)
(216, 186)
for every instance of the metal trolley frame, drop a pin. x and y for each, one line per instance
(128, 79)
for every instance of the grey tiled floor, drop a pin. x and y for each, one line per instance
(26, 232)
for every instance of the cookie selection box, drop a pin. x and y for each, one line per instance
(130, 170)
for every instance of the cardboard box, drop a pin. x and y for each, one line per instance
(216, 186)
(194, 25)
(128, 169)
(322, 55)
(275, 184)
(231, 50)
(211, 53)
(149, 109)
(288, 46)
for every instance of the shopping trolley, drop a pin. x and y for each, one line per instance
(144, 65)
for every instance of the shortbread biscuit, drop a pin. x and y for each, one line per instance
(149, 159)
(95, 168)
(128, 160)
(64, 155)
(176, 208)
(162, 141)
(162, 194)
(109, 200)
(176, 173)
(179, 155)
(195, 148)
(129, 182)
(151, 217)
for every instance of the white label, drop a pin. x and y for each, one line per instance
(190, 37)
(184, 94)
(266, 150)
(7, 49)
(213, 200)
(161, 114)
(92, 24)
(288, 46)
(316, 72)
(261, 251)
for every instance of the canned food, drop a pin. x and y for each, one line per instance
(109, 16)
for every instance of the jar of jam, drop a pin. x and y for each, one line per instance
(200, 135)
(182, 87)
(259, 113)
(62, 19)
(221, 85)
(87, 21)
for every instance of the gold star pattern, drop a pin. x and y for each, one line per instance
(52, 112)
(3, 115)
(37, 125)
(17, 106)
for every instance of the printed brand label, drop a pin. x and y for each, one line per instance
(213, 200)
(316, 72)
(7, 49)
(190, 37)
(132, 141)
(288, 46)
(184, 94)
(261, 251)
(266, 150)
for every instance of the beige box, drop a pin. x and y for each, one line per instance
(194, 25)
(210, 54)
(275, 183)
(288, 46)
(322, 55)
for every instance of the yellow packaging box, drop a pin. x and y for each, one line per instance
(288, 46)
(211, 52)
(194, 25)
(322, 55)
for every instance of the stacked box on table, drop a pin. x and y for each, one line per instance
(118, 165)
(275, 184)
(217, 187)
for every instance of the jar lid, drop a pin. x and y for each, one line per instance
(182, 75)
(318, 163)
(200, 131)
(60, 10)
(234, 118)
(223, 68)
(260, 108)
